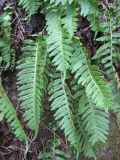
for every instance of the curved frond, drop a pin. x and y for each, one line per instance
(90, 76)
(31, 81)
(59, 45)
(10, 114)
(61, 104)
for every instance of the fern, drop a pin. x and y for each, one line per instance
(30, 6)
(80, 111)
(95, 120)
(52, 146)
(108, 51)
(89, 76)
(58, 42)
(115, 98)
(9, 113)
(86, 147)
(5, 33)
(89, 7)
(61, 103)
(70, 20)
(31, 81)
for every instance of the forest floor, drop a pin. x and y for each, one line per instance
(14, 149)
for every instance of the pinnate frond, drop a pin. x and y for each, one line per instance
(94, 119)
(70, 20)
(61, 104)
(31, 81)
(59, 45)
(89, 76)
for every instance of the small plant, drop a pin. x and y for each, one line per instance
(53, 151)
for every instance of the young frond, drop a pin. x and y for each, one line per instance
(95, 120)
(61, 104)
(5, 34)
(30, 6)
(70, 20)
(10, 114)
(31, 81)
(90, 76)
(59, 45)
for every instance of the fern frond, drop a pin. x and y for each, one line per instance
(31, 81)
(61, 104)
(10, 114)
(70, 20)
(30, 6)
(5, 34)
(59, 45)
(115, 92)
(95, 120)
(108, 52)
(90, 76)
(86, 147)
